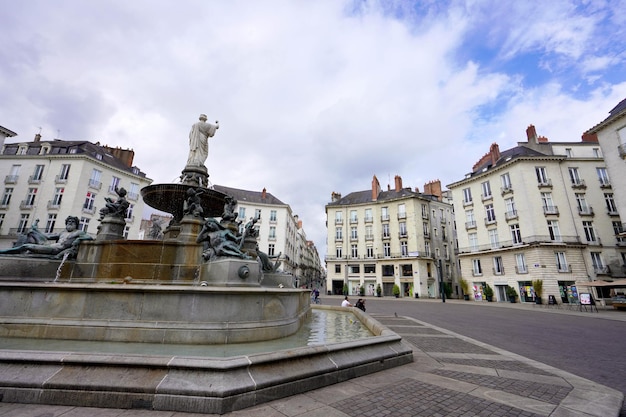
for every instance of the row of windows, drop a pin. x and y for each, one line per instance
(521, 266)
(384, 214)
(542, 179)
(404, 251)
(63, 176)
(554, 232)
(548, 207)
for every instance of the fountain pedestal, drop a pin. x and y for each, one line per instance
(111, 228)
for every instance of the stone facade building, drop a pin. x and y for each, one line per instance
(394, 237)
(611, 134)
(539, 211)
(48, 180)
(281, 234)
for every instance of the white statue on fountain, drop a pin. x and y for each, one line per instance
(199, 141)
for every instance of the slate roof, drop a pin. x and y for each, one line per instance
(7, 132)
(249, 196)
(363, 197)
(616, 112)
(71, 147)
(507, 155)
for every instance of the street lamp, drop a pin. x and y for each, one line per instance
(440, 273)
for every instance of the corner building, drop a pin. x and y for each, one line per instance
(281, 234)
(399, 236)
(49, 180)
(539, 211)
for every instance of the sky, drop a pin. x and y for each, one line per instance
(312, 97)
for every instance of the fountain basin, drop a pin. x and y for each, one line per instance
(195, 384)
(150, 313)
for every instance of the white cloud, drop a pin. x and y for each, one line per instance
(312, 97)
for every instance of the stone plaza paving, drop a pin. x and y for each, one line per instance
(451, 375)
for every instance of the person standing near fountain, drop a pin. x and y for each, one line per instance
(199, 141)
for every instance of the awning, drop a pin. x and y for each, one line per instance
(601, 283)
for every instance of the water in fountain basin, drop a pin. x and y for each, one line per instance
(322, 327)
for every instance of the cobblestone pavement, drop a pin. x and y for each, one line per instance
(451, 375)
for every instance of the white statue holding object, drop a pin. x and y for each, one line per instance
(199, 141)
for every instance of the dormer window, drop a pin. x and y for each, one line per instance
(22, 150)
(99, 157)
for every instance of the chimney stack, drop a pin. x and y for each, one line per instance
(433, 188)
(264, 193)
(531, 134)
(37, 137)
(398, 180)
(375, 188)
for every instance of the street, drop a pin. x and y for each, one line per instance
(581, 344)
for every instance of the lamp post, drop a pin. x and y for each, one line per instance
(440, 273)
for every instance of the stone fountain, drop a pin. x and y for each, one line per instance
(204, 283)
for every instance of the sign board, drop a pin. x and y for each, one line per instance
(585, 299)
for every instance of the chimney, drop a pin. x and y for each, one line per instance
(531, 134)
(299, 224)
(398, 180)
(124, 155)
(264, 193)
(433, 188)
(590, 137)
(335, 197)
(37, 137)
(417, 190)
(375, 188)
(494, 151)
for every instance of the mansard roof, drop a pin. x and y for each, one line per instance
(506, 156)
(617, 112)
(364, 197)
(71, 147)
(252, 197)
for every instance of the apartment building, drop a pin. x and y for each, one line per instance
(541, 210)
(281, 233)
(611, 134)
(47, 180)
(399, 236)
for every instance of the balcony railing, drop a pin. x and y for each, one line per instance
(135, 197)
(579, 184)
(547, 183)
(89, 210)
(521, 269)
(586, 211)
(601, 270)
(511, 215)
(26, 205)
(384, 218)
(53, 206)
(465, 203)
(59, 180)
(338, 221)
(11, 179)
(490, 221)
(506, 190)
(541, 239)
(551, 210)
(621, 149)
(401, 215)
(498, 271)
(604, 183)
(34, 179)
(354, 220)
(470, 225)
(369, 219)
(95, 184)
(486, 197)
